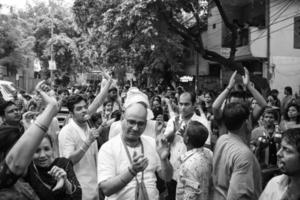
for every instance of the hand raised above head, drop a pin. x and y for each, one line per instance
(246, 77)
(104, 74)
(47, 95)
(232, 80)
(162, 147)
(159, 124)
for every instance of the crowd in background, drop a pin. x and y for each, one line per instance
(159, 142)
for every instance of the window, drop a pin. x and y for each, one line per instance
(214, 26)
(297, 32)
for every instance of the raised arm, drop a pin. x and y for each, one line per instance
(20, 156)
(100, 98)
(216, 107)
(261, 102)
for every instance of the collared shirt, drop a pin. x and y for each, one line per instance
(236, 171)
(276, 189)
(194, 179)
(70, 139)
(177, 147)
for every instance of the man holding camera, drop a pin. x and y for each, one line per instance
(264, 139)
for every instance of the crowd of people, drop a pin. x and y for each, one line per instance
(159, 143)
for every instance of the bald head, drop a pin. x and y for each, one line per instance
(135, 121)
(138, 110)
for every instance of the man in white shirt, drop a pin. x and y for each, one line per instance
(77, 142)
(174, 132)
(130, 157)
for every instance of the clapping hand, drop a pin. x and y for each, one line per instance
(246, 77)
(232, 80)
(162, 147)
(139, 162)
(159, 125)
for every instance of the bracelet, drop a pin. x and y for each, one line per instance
(42, 127)
(132, 171)
(227, 88)
(84, 147)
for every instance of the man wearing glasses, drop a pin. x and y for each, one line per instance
(131, 159)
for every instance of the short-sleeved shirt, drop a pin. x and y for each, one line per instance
(236, 171)
(113, 160)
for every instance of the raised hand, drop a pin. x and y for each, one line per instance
(232, 80)
(159, 124)
(246, 77)
(104, 74)
(44, 91)
(162, 147)
(139, 162)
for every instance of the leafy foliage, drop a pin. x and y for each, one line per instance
(16, 42)
(134, 32)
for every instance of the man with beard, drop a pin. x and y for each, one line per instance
(236, 171)
(286, 186)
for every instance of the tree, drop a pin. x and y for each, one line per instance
(64, 39)
(16, 41)
(129, 33)
(150, 32)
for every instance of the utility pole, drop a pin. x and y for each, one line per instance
(52, 61)
(268, 25)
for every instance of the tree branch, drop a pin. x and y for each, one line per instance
(231, 27)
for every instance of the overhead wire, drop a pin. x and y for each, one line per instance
(272, 23)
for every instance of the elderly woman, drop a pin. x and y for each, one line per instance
(52, 178)
(19, 156)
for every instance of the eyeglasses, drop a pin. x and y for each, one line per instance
(133, 123)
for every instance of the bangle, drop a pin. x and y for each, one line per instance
(132, 171)
(84, 147)
(42, 127)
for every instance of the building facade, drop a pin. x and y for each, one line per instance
(268, 42)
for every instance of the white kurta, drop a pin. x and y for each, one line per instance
(113, 160)
(70, 139)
